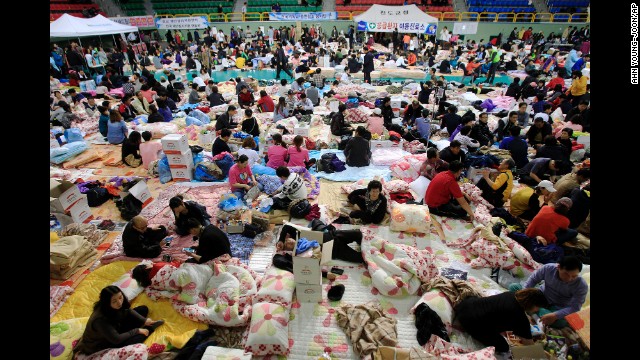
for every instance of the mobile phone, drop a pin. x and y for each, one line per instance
(337, 271)
(168, 239)
(188, 250)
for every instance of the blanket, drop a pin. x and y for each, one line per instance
(217, 293)
(351, 173)
(57, 296)
(396, 269)
(79, 307)
(67, 151)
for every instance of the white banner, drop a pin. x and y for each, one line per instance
(467, 27)
(307, 16)
(139, 21)
(195, 22)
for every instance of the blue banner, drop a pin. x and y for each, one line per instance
(362, 26)
(307, 16)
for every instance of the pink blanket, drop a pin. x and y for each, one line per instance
(158, 213)
(57, 296)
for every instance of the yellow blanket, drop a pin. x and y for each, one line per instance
(176, 331)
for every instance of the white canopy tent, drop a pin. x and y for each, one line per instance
(407, 19)
(71, 26)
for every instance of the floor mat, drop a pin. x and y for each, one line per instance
(331, 194)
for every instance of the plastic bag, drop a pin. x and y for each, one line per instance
(164, 171)
(230, 202)
(190, 120)
(262, 170)
(73, 135)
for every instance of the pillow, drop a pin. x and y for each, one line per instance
(191, 281)
(130, 287)
(269, 330)
(63, 335)
(410, 218)
(395, 186)
(360, 184)
(419, 186)
(277, 287)
(439, 303)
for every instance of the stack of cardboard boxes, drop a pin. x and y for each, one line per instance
(307, 271)
(176, 147)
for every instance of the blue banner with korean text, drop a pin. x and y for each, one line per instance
(306, 16)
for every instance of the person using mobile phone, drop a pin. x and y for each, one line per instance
(212, 242)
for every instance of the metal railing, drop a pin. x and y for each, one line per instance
(441, 16)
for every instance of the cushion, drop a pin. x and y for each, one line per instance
(419, 186)
(394, 186)
(439, 303)
(360, 184)
(277, 287)
(130, 288)
(410, 218)
(269, 330)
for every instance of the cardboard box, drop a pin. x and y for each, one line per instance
(206, 140)
(141, 192)
(308, 270)
(301, 130)
(235, 227)
(529, 352)
(81, 212)
(309, 293)
(174, 144)
(62, 195)
(182, 174)
(180, 161)
(380, 144)
(396, 102)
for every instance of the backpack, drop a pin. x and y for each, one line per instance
(299, 208)
(97, 196)
(338, 165)
(129, 207)
(325, 163)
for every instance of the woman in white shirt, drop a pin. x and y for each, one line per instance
(465, 140)
(204, 75)
(401, 62)
(248, 146)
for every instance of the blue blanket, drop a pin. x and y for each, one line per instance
(241, 247)
(351, 173)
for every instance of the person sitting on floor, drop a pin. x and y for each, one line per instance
(114, 324)
(563, 287)
(149, 150)
(433, 165)
(453, 152)
(293, 188)
(505, 124)
(551, 225)
(480, 131)
(131, 150)
(485, 318)
(570, 181)
(517, 147)
(212, 242)
(154, 115)
(241, 178)
(467, 143)
(117, 130)
(369, 205)
(537, 170)
(527, 201)
(339, 125)
(220, 144)
(444, 196)
(139, 240)
(185, 210)
(538, 132)
(498, 192)
(358, 149)
(552, 150)
(298, 156)
(276, 152)
(194, 97)
(304, 106)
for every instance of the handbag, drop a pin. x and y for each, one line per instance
(299, 208)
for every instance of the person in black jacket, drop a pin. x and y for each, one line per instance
(412, 112)
(538, 132)
(220, 143)
(480, 131)
(282, 63)
(154, 115)
(215, 98)
(369, 205)
(551, 149)
(453, 152)
(451, 120)
(505, 124)
(190, 64)
(367, 65)
(425, 92)
(250, 124)
(212, 242)
(139, 240)
(514, 89)
(339, 125)
(358, 150)
(225, 121)
(583, 110)
(185, 210)
(516, 146)
(387, 112)
(353, 65)
(131, 149)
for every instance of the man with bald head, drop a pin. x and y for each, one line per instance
(140, 240)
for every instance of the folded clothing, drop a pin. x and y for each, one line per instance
(304, 244)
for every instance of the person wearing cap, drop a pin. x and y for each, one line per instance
(527, 201)
(538, 169)
(498, 191)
